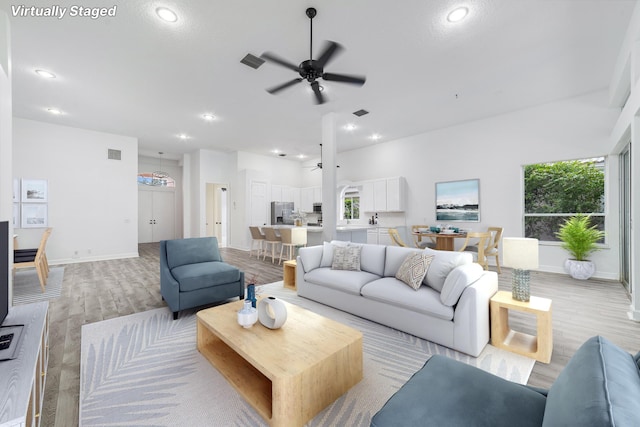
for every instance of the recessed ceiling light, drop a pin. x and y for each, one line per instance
(54, 111)
(375, 137)
(209, 117)
(350, 127)
(46, 74)
(166, 14)
(302, 156)
(183, 136)
(458, 14)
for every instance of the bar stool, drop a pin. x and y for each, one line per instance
(292, 237)
(256, 237)
(271, 239)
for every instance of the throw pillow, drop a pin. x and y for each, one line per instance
(414, 268)
(346, 258)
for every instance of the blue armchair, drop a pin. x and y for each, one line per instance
(192, 274)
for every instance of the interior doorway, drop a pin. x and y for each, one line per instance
(217, 212)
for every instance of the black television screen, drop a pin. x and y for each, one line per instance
(4, 270)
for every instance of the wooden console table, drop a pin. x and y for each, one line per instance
(22, 379)
(289, 274)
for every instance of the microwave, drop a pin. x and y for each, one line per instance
(317, 208)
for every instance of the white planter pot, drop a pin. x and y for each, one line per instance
(581, 270)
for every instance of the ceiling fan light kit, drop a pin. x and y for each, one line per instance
(313, 69)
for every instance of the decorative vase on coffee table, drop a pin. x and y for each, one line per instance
(272, 312)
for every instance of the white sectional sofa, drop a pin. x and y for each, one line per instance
(450, 307)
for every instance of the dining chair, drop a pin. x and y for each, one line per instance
(271, 240)
(417, 239)
(257, 238)
(395, 237)
(477, 248)
(492, 248)
(25, 258)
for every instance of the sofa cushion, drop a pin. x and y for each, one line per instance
(599, 387)
(449, 393)
(345, 281)
(327, 252)
(347, 258)
(390, 290)
(442, 264)
(413, 269)
(457, 281)
(372, 258)
(204, 275)
(192, 251)
(394, 257)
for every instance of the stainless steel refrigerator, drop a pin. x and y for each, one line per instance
(281, 213)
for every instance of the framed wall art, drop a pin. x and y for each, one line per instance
(458, 201)
(34, 191)
(34, 215)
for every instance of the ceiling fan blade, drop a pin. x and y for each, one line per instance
(280, 61)
(278, 88)
(329, 51)
(315, 86)
(344, 78)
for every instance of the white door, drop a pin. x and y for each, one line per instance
(259, 203)
(156, 216)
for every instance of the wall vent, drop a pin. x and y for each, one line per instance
(114, 154)
(361, 113)
(252, 61)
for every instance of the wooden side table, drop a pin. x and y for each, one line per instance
(289, 274)
(538, 346)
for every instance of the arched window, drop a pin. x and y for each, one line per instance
(156, 179)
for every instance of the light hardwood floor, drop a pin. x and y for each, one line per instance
(96, 291)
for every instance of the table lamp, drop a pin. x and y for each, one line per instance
(521, 254)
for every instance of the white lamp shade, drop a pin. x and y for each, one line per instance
(520, 252)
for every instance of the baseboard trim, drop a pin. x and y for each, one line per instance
(94, 258)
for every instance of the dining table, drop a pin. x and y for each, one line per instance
(444, 240)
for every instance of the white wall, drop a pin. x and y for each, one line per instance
(6, 180)
(93, 201)
(494, 150)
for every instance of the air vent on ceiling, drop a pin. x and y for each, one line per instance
(114, 154)
(360, 113)
(252, 61)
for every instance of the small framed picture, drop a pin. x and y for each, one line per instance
(16, 215)
(34, 215)
(16, 190)
(34, 191)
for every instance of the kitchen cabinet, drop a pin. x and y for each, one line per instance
(380, 235)
(276, 193)
(309, 196)
(384, 195)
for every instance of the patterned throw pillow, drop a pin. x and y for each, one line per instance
(414, 268)
(346, 258)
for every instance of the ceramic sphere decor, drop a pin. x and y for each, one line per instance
(581, 270)
(272, 312)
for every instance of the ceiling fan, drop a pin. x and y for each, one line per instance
(313, 69)
(319, 164)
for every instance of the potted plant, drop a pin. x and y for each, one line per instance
(579, 238)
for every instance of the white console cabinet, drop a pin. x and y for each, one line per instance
(22, 379)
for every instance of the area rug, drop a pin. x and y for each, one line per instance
(26, 286)
(145, 369)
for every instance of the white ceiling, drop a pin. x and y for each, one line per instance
(136, 75)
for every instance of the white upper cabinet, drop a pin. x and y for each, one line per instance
(276, 193)
(384, 195)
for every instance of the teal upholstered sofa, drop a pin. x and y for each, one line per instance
(192, 274)
(600, 386)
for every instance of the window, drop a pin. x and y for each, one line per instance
(156, 179)
(556, 191)
(351, 206)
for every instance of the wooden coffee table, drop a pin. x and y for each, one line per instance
(289, 374)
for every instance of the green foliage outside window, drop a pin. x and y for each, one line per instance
(351, 207)
(556, 191)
